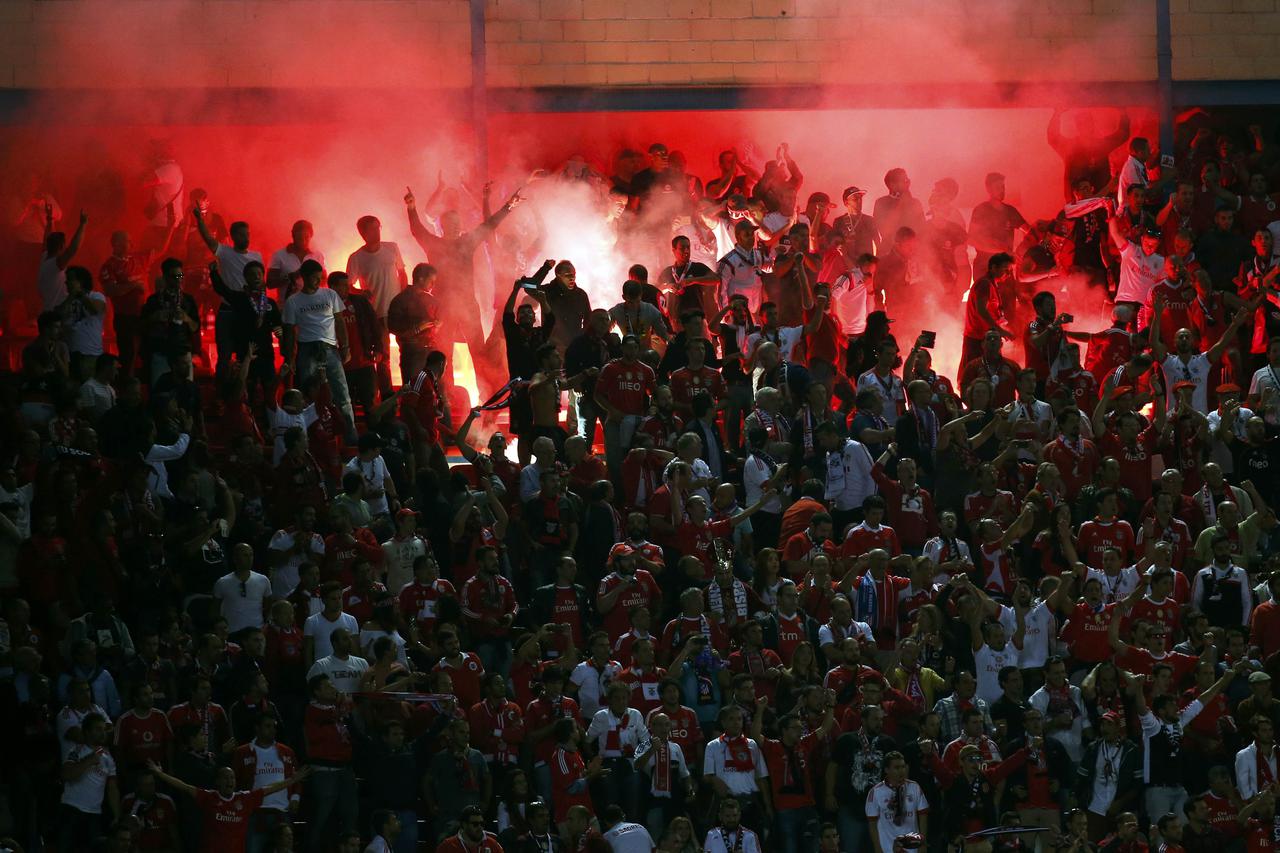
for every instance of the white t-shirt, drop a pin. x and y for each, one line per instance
(284, 577)
(320, 629)
(739, 782)
(398, 557)
(786, 337)
(280, 421)
(378, 274)
(1139, 272)
(288, 263)
(1105, 784)
(95, 398)
(52, 283)
(269, 769)
(629, 838)
(1196, 369)
(1117, 588)
(231, 265)
(242, 606)
(754, 475)
(87, 793)
(84, 334)
(852, 302)
(1266, 377)
(1040, 632)
(988, 663)
(345, 674)
(891, 392)
(592, 683)
(880, 807)
(315, 315)
(375, 476)
(370, 636)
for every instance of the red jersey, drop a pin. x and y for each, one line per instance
(686, 382)
(1167, 613)
(802, 547)
(141, 739)
(568, 778)
(158, 820)
(455, 844)
(862, 539)
(623, 645)
(826, 343)
(909, 514)
(626, 387)
(641, 478)
(211, 718)
(424, 399)
(358, 345)
(644, 687)
(1002, 373)
(1142, 662)
(1086, 633)
(1135, 462)
(1081, 387)
(699, 540)
(325, 733)
(1176, 314)
(340, 554)
(644, 590)
(565, 611)
(1039, 358)
(284, 649)
(497, 732)
(999, 506)
(493, 599)
(466, 676)
(359, 602)
(685, 730)
(755, 664)
(1222, 814)
(1076, 461)
(790, 775)
(663, 429)
(539, 714)
(419, 602)
(124, 281)
(646, 550)
(678, 631)
(995, 568)
(1096, 536)
(1108, 349)
(225, 820)
(1264, 628)
(982, 293)
(792, 631)
(588, 470)
(1178, 535)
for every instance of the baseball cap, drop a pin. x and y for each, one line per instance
(1259, 678)
(1112, 717)
(1185, 383)
(1228, 388)
(405, 512)
(848, 191)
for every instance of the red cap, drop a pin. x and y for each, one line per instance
(1228, 388)
(405, 512)
(1112, 717)
(1185, 383)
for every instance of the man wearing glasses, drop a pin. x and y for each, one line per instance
(242, 594)
(471, 836)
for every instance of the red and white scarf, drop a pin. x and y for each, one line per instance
(661, 767)
(737, 754)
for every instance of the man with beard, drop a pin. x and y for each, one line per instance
(689, 285)
(414, 318)
(994, 225)
(857, 765)
(985, 309)
(1184, 364)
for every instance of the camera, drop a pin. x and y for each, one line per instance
(928, 339)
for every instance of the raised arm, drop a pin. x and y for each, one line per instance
(172, 781)
(65, 256)
(203, 228)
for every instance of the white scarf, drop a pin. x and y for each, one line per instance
(716, 600)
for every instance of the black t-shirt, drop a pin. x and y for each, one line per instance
(586, 352)
(523, 345)
(859, 764)
(163, 335)
(695, 297)
(571, 308)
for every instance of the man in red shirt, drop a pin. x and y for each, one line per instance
(984, 310)
(1076, 458)
(1264, 622)
(420, 600)
(991, 365)
(424, 409)
(124, 280)
(225, 810)
(142, 734)
(800, 549)
(1077, 384)
(464, 668)
(695, 378)
(497, 726)
(1105, 531)
(471, 836)
(489, 604)
(909, 508)
(622, 392)
(790, 761)
(624, 588)
(1131, 444)
(156, 815)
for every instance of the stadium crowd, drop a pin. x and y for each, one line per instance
(753, 575)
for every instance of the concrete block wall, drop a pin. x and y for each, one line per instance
(402, 44)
